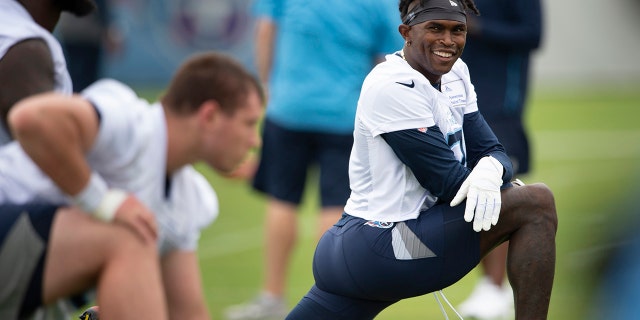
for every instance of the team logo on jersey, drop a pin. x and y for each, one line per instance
(453, 4)
(423, 130)
(379, 224)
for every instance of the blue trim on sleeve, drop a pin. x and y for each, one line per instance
(98, 114)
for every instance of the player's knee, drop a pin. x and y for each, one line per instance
(545, 207)
(127, 245)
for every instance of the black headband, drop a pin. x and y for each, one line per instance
(435, 10)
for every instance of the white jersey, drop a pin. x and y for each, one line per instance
(16, 24)
(395, 97)
(130, 154)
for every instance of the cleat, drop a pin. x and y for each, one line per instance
(263, 307)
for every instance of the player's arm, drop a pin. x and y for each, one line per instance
(183, 286)
(491, 170)
(26, 69)
(265, 43)
(56, 131)
(430, 159)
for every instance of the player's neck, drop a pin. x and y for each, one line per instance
(180, 142)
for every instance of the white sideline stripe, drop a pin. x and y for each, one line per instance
(585, 144)
(548, 145)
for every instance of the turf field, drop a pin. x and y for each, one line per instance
(586, 146)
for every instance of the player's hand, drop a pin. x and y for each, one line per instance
(138, 218)
(482, 190)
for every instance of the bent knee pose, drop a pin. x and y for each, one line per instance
(430, 186)
(49, 252)
(128, 164)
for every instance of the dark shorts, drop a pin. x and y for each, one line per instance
(362, 267)
(24, 234)
(287, 155)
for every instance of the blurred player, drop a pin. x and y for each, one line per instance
(128, 164)
(31, 59)
(421, 147)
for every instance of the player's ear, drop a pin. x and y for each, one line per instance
(209, 111)
(404, 31)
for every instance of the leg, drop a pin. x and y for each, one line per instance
(319, 305)
(494, 264)
(528, 220)
(281, 175)
(83, 252)
(281, 233)
(492, 297)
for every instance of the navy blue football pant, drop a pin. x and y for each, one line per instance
(361, 267)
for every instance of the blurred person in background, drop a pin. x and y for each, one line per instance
(500, 42)
(31, 59)
(312, 57)
(85, 40)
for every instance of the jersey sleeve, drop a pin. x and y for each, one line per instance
(118, 129)
(392, 106)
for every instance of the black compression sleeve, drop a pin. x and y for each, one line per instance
(430, 159)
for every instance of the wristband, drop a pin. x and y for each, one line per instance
(109, 204)
(99, 201)
(90, 197)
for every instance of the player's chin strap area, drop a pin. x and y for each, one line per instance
(435, 294)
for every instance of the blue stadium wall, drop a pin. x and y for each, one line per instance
(160, 34)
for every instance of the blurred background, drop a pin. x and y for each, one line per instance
(586, 42)
(583, 116)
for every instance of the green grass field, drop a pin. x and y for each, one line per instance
(586, 145)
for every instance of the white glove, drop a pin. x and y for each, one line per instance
(482, 190)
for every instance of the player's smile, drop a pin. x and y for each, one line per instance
(447, 57)
(444, 54)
